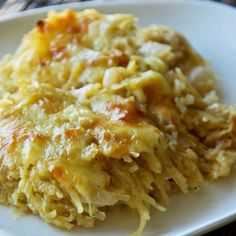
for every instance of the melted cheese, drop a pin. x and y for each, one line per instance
(97, 112)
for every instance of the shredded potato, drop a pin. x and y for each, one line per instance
(96, 112)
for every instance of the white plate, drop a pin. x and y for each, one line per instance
(210, 27)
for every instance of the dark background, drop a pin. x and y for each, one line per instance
(29, 4)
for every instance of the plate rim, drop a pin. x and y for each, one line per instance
(114, 3)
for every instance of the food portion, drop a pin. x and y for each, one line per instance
(96, 112)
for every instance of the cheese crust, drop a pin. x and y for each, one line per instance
(97, 112)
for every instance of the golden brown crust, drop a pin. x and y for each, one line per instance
(97, 112)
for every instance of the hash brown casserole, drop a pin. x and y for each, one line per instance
(97, 112)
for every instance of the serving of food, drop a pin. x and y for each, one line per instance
(96, 112)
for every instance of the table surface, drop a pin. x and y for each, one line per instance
(12, 6)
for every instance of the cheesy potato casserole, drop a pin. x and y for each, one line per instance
(96, 112)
